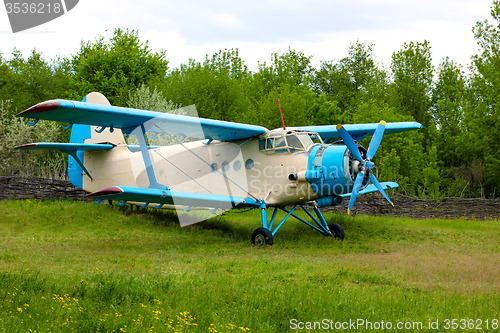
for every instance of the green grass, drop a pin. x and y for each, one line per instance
(73, 266)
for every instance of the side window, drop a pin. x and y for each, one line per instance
(262, 144)
(294, 142)
(273, 145)
(306, 140)
(316, 138)
(270, 143)
(279, 142)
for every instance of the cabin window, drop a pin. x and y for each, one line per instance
(249, 164)
(270, 143)
(262, 144)
(288, 142)
(280, 145)
(294, 142)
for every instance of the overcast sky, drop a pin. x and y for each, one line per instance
(319, 28)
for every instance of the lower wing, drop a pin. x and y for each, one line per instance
(372, 188)
(178, 198)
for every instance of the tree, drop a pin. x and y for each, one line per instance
(26, 82)
(482, 116)
(292, 68)
(117, 66)
(219, 87)
(413, 73)
(448, 104)
(299, 105)
(16, 131)
(348, 79)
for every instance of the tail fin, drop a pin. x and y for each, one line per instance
(81, 132)
(86, 134)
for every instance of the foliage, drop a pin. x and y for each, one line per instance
(484, 111)
(217, 87)
(16, 131)
(413, 73)
(348, 79)
(117, 66)
(26, 82)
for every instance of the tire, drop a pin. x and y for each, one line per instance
(262, 236)
(336, 230)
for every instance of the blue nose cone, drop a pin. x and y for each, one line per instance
(327, 169)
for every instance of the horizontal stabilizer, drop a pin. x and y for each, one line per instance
(167, 197)
(359, 131)
(68, 148)
(64, 146)
(128, 119)
(372, 188)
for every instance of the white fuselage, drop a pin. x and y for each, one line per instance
(225, 168)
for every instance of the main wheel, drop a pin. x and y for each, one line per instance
(262, 236)
(336, 230)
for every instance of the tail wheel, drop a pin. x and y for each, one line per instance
(262, 236)
(336, 230)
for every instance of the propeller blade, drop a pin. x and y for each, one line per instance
(349, 142)
(379, 187)
(376, 139)
(355, 190)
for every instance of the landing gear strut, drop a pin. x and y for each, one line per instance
(265, 235)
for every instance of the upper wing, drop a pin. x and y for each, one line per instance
(359, 131)
(128, 119)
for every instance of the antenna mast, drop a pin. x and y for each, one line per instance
(281, 113)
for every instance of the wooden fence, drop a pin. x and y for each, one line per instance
(20, 188)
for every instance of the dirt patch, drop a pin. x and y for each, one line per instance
(437, 267)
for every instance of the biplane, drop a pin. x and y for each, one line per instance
(230, 165)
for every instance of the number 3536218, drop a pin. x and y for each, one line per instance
(477, 324)
(33, 8)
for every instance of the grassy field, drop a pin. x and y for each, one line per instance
(74, 266)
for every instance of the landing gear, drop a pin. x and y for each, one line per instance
(265, 234)
(262, 236)
(336, 230)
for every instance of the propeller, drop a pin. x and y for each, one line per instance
(365, 165)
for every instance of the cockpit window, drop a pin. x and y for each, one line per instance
(315, 138)
(279, 142)
(288, 142)
(306, 140)
(294, 141)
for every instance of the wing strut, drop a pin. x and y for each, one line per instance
(153, 183)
